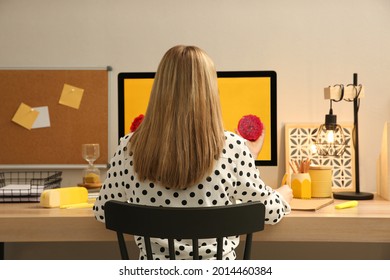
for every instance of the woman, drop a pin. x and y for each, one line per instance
(180, 155)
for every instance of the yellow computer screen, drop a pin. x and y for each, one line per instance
(242, 93)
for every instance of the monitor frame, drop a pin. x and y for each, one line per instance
(271, 130)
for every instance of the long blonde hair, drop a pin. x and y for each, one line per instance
(182, 132)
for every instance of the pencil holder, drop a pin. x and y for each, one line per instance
(301, 185)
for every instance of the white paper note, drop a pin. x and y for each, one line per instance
(43, 119)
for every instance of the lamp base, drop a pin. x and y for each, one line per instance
(353, 195)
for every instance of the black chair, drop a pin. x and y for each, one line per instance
(184, 223)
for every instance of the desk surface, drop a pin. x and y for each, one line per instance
(368, 222)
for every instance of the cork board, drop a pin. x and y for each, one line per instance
(59, 143)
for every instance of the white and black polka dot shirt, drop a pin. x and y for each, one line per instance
(235, 179)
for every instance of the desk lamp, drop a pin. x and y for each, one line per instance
(330, 139)
(335, 145)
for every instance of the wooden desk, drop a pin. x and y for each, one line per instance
(369, 222)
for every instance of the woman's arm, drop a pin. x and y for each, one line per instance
(250, 187)
(112, 188)
(255, 146)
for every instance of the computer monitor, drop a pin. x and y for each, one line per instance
(242, 93)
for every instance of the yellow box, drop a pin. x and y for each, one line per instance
(301, 185)
(63, 196)
(321, 181)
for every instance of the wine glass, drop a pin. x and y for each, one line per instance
(90, 153)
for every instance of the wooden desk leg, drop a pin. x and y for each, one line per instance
(2, 251)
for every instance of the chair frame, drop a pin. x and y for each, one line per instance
(184, 223)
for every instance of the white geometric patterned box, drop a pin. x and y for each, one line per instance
(300, 140)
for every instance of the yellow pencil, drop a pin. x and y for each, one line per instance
(77, 205)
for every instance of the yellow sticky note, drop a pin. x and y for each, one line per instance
(71, 96)
(25, 116)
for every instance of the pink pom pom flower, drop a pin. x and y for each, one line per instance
(136, 122)
(250, 127)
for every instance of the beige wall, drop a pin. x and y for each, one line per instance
(310, 44)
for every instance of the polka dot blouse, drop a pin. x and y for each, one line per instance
(235, 178)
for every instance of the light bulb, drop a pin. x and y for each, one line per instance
(313, 149)
(330, 136)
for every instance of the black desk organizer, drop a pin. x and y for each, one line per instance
(27, 186)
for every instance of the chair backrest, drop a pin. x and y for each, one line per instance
(184, 223)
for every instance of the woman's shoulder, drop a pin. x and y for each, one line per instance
(123, 141)
(231, 136)
(234, 141)
(123, 145)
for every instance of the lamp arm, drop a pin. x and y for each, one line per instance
(356, 134)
